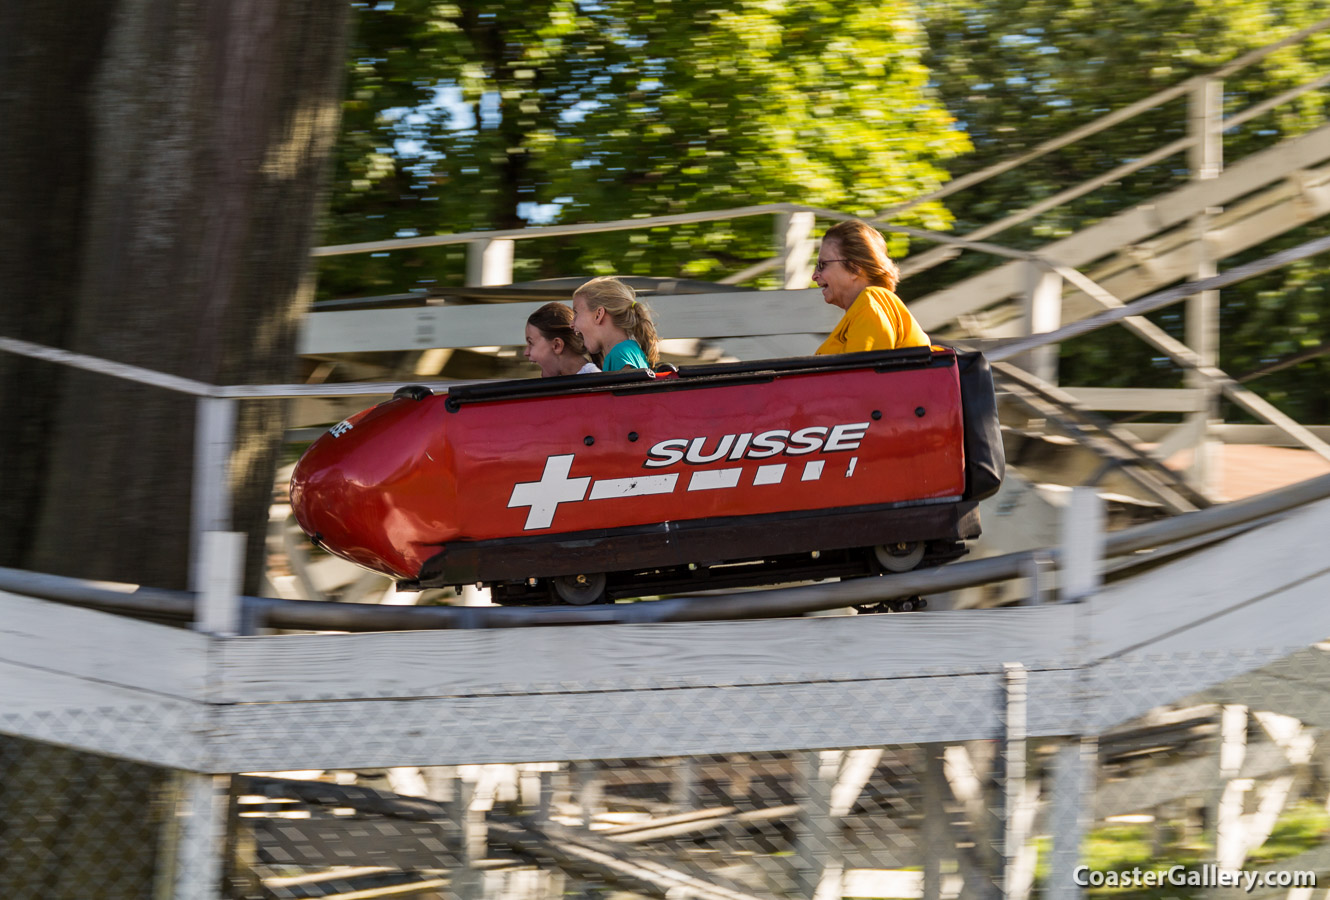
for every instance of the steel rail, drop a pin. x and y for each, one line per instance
(1215, 518)
(771, 603)
(124, 599)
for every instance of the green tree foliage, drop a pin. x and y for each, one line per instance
(469, 116)
(1016, 74)
(460, 114)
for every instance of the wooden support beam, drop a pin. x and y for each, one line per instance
(1072, 784)
(220, 582)
(583, 856)
(1129, 227)
(1017, 808)
(794, 237)
(818, 855)
(977, 847)
(489, 261)
(1168, 782)
(1206, 115)
(214, 439)
(709, 316)
(1230, 836)
(933, 782)
(200, 806)
(1019, 881)
(855, 772)
(1082, 545)
(1043, 313)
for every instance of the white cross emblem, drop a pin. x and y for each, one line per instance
(544, 496)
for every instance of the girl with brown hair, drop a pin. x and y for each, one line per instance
(552, 344)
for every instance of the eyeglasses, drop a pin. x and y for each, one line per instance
(822, 264)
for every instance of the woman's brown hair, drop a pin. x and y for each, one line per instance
(863, 247)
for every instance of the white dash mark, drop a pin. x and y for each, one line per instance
(641, 486)
(711, 479)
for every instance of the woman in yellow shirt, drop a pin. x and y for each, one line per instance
(856, 274)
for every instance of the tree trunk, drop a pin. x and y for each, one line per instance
(186, 251)
(164, 164)
(48, 56)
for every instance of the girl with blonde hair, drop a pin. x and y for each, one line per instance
(613, 322)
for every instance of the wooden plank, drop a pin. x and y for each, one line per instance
(91, 715)
(773, 346)
(1283, 688)
(1171, 257)
(1165, 783)
(615, 724)
(101, 647)
(1135, 399)
(1229, 433)
(355, 840)
(549, 660)
(1263, 589)
(611, 724)
(729, 314)
(1192, 625)
(1129, 227)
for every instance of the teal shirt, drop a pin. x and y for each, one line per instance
(625, 353)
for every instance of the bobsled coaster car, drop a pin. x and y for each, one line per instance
(590, 488)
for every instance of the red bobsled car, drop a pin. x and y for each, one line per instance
(595, 487)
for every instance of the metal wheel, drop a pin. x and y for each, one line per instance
(580, 590)
(901, 557)
(908, 604)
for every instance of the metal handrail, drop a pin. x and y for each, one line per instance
(998, 351)
(546, 231)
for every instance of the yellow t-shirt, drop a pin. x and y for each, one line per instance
(876, 320)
